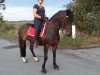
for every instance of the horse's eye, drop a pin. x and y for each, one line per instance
(66, 16)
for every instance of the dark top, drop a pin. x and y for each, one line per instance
(40, 10)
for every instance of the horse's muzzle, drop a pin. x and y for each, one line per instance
(69, 35)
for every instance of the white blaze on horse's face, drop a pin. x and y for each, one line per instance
(66, 16)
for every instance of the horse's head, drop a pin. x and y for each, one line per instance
(66, 18)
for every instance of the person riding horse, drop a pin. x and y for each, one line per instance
(39, 18)
(62, 19)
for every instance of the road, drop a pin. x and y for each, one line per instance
(71, 62)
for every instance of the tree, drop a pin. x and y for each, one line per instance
(1, 1)
(87, 14)
(2, 7)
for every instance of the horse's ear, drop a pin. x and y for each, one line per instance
(68, 10)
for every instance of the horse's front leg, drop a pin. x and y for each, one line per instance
(56, 67)
(45, 59)
(31, 49)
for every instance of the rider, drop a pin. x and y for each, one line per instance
(39, 17)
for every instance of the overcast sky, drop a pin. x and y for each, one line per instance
(22, 9)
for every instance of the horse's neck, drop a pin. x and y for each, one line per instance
(53, 27)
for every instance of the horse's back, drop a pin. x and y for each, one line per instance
(23, 31)
(24, 28)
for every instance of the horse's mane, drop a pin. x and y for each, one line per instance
(69, 13)
(55, 15)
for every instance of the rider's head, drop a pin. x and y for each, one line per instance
(40, 1)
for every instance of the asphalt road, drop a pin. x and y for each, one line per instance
(71, 62)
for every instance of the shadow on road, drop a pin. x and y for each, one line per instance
(11, 46)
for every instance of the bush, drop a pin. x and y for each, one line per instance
(8, 30)
(82, 40)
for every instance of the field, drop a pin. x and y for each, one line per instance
(10, 31)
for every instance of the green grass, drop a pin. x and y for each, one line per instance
(10, 30)
(81, 41)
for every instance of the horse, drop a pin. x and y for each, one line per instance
(62, 19)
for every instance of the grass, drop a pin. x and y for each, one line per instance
(10, 30)
(81, 41)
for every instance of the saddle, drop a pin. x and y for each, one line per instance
(31, 30)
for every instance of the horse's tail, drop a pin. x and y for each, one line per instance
(22, 46)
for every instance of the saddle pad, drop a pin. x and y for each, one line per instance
(31, 31)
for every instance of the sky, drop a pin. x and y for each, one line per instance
(23, 10)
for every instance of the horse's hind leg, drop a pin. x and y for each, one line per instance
(31, 49)
(56, 67)
(22, 45)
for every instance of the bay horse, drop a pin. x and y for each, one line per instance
(62, 19)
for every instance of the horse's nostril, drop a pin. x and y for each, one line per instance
(68, 35)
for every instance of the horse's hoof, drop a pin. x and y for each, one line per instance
(56, 67)
(24, 61)
(36, 59)
(44, 71)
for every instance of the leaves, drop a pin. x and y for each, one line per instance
(2, 7)
(87, 14)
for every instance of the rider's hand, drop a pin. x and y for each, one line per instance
(44, 18)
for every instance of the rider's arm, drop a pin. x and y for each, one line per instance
(35, 13)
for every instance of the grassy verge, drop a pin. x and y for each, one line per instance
(81, 41)
(10, 31)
